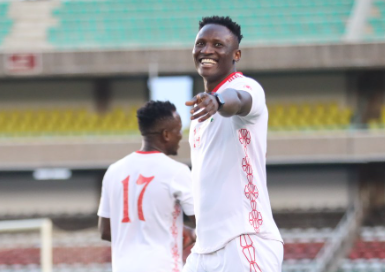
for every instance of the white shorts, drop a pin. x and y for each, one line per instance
(246, 253)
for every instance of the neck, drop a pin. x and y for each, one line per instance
(152, 145)
(211, 84)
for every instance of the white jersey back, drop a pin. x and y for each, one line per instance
(229, 172)
(144, 195)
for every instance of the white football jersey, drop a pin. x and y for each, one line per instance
(145, 195)
(228, 156)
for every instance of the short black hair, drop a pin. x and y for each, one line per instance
(224, 21)
(152, 112)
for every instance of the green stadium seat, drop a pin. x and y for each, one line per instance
(5, 22)
(164, 22)
(376, 22)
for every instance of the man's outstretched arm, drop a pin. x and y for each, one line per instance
(206, 105)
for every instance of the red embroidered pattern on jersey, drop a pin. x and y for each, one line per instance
(174, 232)
(249, 251)
(197, 137)
(251, 190)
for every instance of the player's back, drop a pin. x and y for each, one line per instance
(146, 219)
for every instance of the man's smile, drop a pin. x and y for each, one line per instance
(208, 62)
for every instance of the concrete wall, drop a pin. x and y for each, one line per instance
(68, 93)
(308, 187)
(99, 152)
(128, 91)
(45, 93)
(307, 57)
(289, 188)
(21, 194)
(304, 87)
(279, 88)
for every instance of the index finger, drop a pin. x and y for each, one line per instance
(191, 102)
(197, 99)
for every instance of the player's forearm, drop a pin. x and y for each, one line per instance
(236, 103)
(106, 237)
(189, 236)
(192, 221)
(105, 229)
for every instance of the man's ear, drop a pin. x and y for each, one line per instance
(165, 135)
(237, 55)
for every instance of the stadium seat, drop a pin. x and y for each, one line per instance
(66, 122)
(307, 116)
(378, 123)
(376, 22)
(80, 251)
(122, 23)
(5, 21)
(305, 232)
(368, 251)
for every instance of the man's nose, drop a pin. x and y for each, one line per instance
(207, 49)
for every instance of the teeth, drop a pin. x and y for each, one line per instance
(208, 61)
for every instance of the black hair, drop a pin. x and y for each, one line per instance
(224, 21)
(152, 112)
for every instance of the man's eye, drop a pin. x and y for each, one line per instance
(199, 43)
(218, 44)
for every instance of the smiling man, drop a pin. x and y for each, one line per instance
(228, 137)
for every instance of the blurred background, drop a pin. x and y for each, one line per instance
(73, 73)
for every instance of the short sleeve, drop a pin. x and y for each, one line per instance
(181, 189)
(258, 96)
(104, 206)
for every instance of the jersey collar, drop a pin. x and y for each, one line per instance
(227, 79)
(148, 152)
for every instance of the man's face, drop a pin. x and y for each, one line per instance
(174, 128)
(215, 51)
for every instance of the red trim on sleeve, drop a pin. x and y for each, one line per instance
(148, 152)
(229, 78)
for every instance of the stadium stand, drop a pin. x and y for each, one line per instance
(378, 123)
(66, 121)
(5, 22)
(81, 121)
(72, 251)
(119, 23)
(309, 116)
(368, 250)
(302, 246)
(124, 24)
(77, 247)
(317, 237)
(61, 221)
(308, 219)
(376, 22)
(305, 232)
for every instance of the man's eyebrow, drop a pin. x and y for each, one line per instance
(218, 40)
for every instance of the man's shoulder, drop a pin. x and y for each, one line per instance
(164, 162)
(123, 161)
(175, 165)
(247, 80)
(245, 83)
